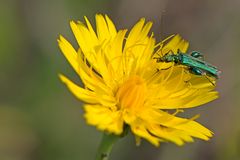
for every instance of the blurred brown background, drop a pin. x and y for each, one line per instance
(41, 120)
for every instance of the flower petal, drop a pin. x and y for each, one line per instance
(140, 130)
(104, 118)
(135, 34)
(69, 52)
(82, 94)
(111, 27)
(176, 43)
(105, 28)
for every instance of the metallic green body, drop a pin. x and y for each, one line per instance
(193, 63)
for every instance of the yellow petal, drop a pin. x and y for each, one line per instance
(139, 130)
(111, 26)
(187, 125)
(168, 134)
(92, 32)
(102, 28)
(188, 101)
(69, 52)
(85, 40)
(104, 118)
(133, 36)
(175, 44)
(82, 94)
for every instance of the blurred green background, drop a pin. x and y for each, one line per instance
(41, 120)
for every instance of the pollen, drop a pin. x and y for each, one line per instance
(132, 93)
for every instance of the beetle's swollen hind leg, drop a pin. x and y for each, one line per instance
(197, 71)
(197, 54)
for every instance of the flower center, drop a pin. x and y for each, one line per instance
(132, 93)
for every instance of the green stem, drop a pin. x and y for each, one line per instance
(106, 145)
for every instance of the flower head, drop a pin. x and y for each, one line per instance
(123, 83)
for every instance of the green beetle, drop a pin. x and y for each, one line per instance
(195, 65)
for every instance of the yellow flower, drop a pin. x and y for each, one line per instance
(124, 85)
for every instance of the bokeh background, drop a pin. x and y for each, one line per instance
(41, 120)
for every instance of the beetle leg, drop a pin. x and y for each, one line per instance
(197, 54)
